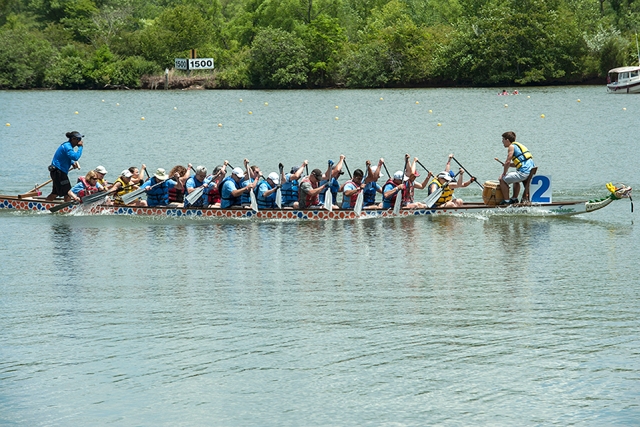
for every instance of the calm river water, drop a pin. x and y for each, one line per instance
(464, 320)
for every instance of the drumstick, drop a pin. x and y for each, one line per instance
(498, 160)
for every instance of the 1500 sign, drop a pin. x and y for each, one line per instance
(194, 64)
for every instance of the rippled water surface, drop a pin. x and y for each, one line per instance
(464, 320)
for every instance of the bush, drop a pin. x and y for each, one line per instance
(24, 59)
(278, 59)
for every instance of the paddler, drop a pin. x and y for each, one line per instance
(411, 183)
(176, 194)
(65, 158)
(137, 175)
(231, 190)
(289, 187)
(310, 190)
(157, 187)
(446, 199)
(518, 157)
(219, 173)
(331, 175)
(351, 189)
(371, 185)
(390, 189)
(251, 179)
(198, 180)
(123, 185)
(267, 190)
(86, 185)
(102, 183)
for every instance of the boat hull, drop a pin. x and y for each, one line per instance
(556, 208)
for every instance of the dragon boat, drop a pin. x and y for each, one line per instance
(566, 208)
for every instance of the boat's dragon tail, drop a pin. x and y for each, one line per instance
(618, 191)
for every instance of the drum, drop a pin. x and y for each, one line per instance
(492, 194)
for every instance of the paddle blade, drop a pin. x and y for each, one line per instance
(398, 203)
(279, 198)
(433, 197)
(130, 197)
(195, 195)
(359, 202)
(61, 206)
(93, 198)
(254, 202)
(328, 200)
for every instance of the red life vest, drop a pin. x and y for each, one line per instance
(354, 197)
(88, 189)
(176, 195)
(407, 193)
(309, 200)
(214, 193)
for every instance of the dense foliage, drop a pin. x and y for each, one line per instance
(71, 44)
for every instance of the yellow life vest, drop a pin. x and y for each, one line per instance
(447, 192)
(519, 159)
(124, 189)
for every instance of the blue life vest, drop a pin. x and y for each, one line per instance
(370, 194)
(334, 187)
(159, 195)
(245, 198)
(268, 202)
(289, 192)
(388, 203)
(229, 200)
(196, 184)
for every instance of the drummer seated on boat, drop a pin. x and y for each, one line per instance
(517, 157)
(267, 190)
(157, 187)
(310, 189)
(200, 179)
(232, 190)
(290, 184)
(124, 185)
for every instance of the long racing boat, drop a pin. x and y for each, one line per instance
(566, 208)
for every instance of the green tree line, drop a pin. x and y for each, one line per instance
(75, 44)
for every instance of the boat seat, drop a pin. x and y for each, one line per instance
(526, 183)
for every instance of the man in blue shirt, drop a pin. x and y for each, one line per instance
(267, 192)
(65, 158)
(231, 190)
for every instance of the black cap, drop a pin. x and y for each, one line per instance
(76, 134)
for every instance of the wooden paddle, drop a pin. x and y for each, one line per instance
(35, 191)
(474, 178)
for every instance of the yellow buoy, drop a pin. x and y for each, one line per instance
(578, 100)
(624, 109)
(240, 99)
(175, 108)
(76, 112)
(117, 104)
(542, 116)
(8, 124)
(439, 124)
(141, 118)
(103, 100)
(336, 118)
(506, 105)
(430, 111)
(250, 112)
(417, 102)
(528, 97)
(219, 125)
(266, 103)
(381, 99)
(336, 107)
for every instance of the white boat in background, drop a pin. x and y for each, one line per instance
(624, 80)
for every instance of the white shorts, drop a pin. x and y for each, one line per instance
(515, 176)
